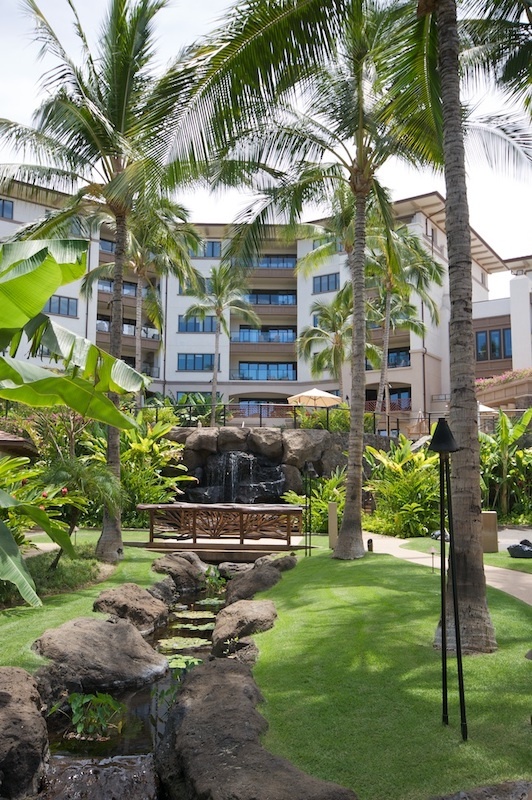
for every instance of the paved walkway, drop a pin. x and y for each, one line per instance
(518, 584)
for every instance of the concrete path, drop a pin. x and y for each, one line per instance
(517, 584)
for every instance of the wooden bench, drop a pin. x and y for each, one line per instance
(224, 531)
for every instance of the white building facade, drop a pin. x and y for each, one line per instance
(259, 366)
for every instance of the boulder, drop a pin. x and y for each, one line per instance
(187, 577)
(304, 445)
(164, 590)
(232, 439)
(92, 654)
(24, 738)
(202, 756)
(179, 435)
(335, 454)
(228, 569)
(133, 777)
(193, 559)
(240, 619)
(282, 563)
(511, 790)
(246, 585)
(266, 442)
(293, 480)
(194, 460)
(135, 604)
(203, 439)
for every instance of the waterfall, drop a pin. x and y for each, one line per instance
(238, 477)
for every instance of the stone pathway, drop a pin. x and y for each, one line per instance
(517, 584)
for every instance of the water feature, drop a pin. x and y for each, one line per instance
(185, 640)
(237, 477)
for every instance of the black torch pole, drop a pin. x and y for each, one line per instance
(444, 458)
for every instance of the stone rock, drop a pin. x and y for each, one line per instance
(187, 577)
(246, 585)
(293, 480)
(203, 439)
(193, 559)
(131, 777)
(232, 439)
(240, 619)
(228, 569)
(179, 435)
(164, 590)
(266, 442)
(194, 460)
(135, 604)
(92, 654)
(282, 563)
(246, 651)
(24, 738)
(334, 454)
(304, 445)
(202, 756)
(510, 790)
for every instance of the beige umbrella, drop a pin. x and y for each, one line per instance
(315, 398)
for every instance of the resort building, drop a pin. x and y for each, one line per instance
(259, 367)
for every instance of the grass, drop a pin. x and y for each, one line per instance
(20, 626)
(501, 559)
(353, 685)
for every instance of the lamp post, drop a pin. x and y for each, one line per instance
(443, 442)
(309, 472)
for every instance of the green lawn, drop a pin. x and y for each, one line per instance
(353, 685)
(20, 626)
(502, 559)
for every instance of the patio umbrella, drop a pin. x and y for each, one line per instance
(316, 398)
(486, 409)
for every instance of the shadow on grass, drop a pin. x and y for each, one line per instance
(353, 684)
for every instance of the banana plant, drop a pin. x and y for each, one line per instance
(499, 453)
(30, 273)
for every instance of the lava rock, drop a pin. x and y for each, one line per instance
(131, 777)
(246, 585)
(135, 604)
(241, 619)
(187, 577)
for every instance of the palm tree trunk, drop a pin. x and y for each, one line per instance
(350, 543)
(110, 547)
(214, 385)
(138, 335)
(477, 634)
(385, 351)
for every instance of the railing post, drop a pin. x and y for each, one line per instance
(260, 415)
(374, 424)
(327, 409)
(225, 407)
(295, 418)
(190, 414)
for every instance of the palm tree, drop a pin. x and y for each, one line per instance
(333, 335)
(399, 266)
(160, 241)
(103, 132)
(224, 292)
(346, 136)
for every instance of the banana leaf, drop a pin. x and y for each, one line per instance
(13, 569)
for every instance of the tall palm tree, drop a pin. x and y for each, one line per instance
(224, 292)
(103, 132)
(160, 240)
(346, 135)
(399, 267)
(333, 335)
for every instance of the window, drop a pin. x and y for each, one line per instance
(129, 289)
(195, 362)
(62, 306)
(276, 262)
(209, 249)
(128, 327)
(327, 240)
(105, 285)
(265, 335)
(195, 325)
(316, 320)
(6, 209)
(495, 345)
(326, 283)
(103, 324)
(482, 346)
(399, 357)
(107, 246)
(259, 298)
(184, 288)
(400, 399)
(253, 371)
(507, 342)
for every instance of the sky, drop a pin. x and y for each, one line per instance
(500, 206)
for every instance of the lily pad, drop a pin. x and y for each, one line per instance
(177, 643)
(191, 626)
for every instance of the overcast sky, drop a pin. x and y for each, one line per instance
(500, 208)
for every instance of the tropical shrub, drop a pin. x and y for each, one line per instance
(405, 488)
(195, 407)
(324, 491)
(506, 467)
(336, 421)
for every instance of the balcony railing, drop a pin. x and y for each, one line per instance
(267, 337)
(150, 370)
(237, 375)
(271, 299)
(150, 333)
(275, 262)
